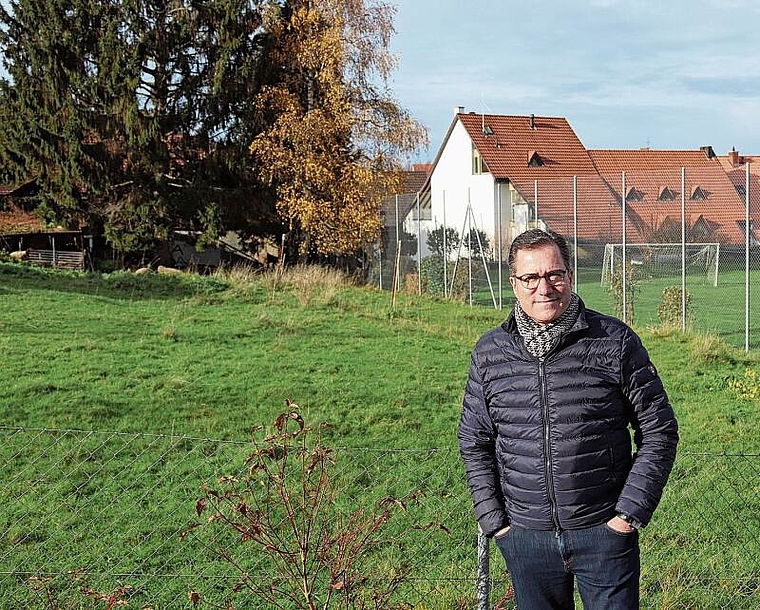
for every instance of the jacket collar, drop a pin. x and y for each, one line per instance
(510, 324)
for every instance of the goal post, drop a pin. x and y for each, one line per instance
(659, 260)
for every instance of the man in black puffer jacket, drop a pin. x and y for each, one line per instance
(545, 439)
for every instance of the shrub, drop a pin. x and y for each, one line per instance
(431, 269)
(289, 507)
(615, 288)
(670, 308)
(459, 288)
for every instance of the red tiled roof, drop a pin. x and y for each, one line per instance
(508, 143)
(735, 166)
(507, 150)
(653, 183)
(644, 159)
(411, 183)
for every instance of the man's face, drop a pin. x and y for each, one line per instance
(545, 302)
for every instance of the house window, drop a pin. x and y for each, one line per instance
(478, 165)
(634, 194)
(666, 194)
(534, 159)
(698, 194)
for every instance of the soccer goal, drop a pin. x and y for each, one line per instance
(663, 260)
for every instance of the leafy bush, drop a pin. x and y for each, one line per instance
(435, 241)
(670, 308)
(459, 288)
(431, 268)
(615, 288)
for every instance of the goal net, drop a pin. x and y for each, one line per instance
(663, 260)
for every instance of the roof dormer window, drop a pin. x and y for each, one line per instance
(534, 159)
(634, 194)
(666, 194)
(697, 194)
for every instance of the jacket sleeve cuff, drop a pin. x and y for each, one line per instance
(492, 523)
(627, 508)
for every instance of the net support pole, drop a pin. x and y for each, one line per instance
(419, 246)
(469, 244)
(500, 229)
(445, 252)
(746, 257)
(575, 232)
(625, 266)
(398, 245)
(683, 249)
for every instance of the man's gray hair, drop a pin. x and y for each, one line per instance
(536, 238)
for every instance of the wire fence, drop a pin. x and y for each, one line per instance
(91, 517)
(680, 248)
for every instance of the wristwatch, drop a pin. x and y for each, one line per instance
(630, 520)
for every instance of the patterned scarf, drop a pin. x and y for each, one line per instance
(540, 339)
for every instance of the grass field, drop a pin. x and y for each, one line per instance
(206, 358)
(717, 310)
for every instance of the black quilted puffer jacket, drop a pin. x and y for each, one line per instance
(547, 446)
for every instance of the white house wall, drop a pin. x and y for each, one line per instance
(452, 185)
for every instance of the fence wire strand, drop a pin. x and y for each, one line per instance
(85, 510)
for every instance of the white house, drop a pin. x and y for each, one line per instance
(511, 173)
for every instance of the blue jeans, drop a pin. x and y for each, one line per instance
(542, 565)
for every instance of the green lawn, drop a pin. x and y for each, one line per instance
(122, 394)
(718, 310)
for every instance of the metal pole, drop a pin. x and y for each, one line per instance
(746, 258)
(459, 255)
(445, 252)
(398, 244)
(419, 247)
(683, 248)
(625, 266)
(535, 203)
(484, 568)
(575, 231)
(498, 200)
(469, 242)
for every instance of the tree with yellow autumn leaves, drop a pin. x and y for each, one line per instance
(336, 137)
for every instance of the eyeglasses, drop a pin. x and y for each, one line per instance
(554, 278)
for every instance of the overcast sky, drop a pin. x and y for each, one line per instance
(668, 74)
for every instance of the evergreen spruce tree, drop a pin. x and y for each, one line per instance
(133, 115)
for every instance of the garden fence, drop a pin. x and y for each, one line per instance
(87, 515)
(689, 257)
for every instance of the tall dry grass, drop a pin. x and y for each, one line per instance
(314, 284)
(310, 284)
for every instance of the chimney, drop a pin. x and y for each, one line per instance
(532, 121)
(733, 157)
(458, 109)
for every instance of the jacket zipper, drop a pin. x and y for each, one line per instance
(547, 448)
